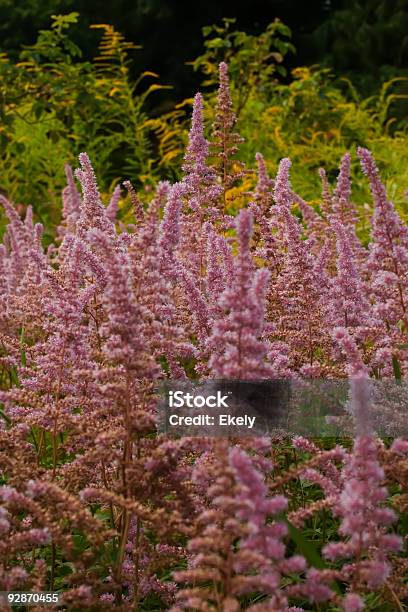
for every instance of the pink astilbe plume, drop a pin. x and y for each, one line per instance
(265, 540)
(93, 213)
(323, 469)
(137, 205)
(263, 195)
(219, 267)
(283, 197)
(339, 207)
(225, 142)
(364, 522)
(170, 227)
(202, 193)
(71, 204)
(326, 191)
(355, 365)
(267, 245)
(296, 296)
(125, 328)
(153, 290)
(235, 342)
(342, 206)
(112, 208)
(282, 192)
(197, 307)
(25, 256)
(388, 258)
(199, 177)
(238, 551)
(314, 222)
(187, 292)
(348, 305)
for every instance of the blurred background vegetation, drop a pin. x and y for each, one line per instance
(309, 80)
(366, 40)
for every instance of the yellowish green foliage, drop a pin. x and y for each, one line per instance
(53, 105)
(313, 119)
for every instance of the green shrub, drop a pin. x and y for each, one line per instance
(54, 105)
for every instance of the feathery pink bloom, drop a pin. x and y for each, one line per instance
(364, 520)
(225, 142)
(326, 191)
(93, 213)
(71, 204)
(199, 178)
(342, 207)
(138, 209)
(219, 266)
(348, 305)
(388, 258)
(265, 539)
(112, 208)
(224, 108)
(201, 196)
(355, 364)
(263, 194)
(236, 348)
(282, 191)
(170, 231)
(299, 284)
(125, 329)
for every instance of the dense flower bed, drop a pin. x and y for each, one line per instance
(97, 505)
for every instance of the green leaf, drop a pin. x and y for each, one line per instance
(216, 43)
(60, 22)
(306, 547)
(66, 568)
(38, 108)
(80, 543)
(23, 356)
(309, 551)
(396, 367)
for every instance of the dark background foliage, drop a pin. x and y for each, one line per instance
(366, 40)
(123, 92)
